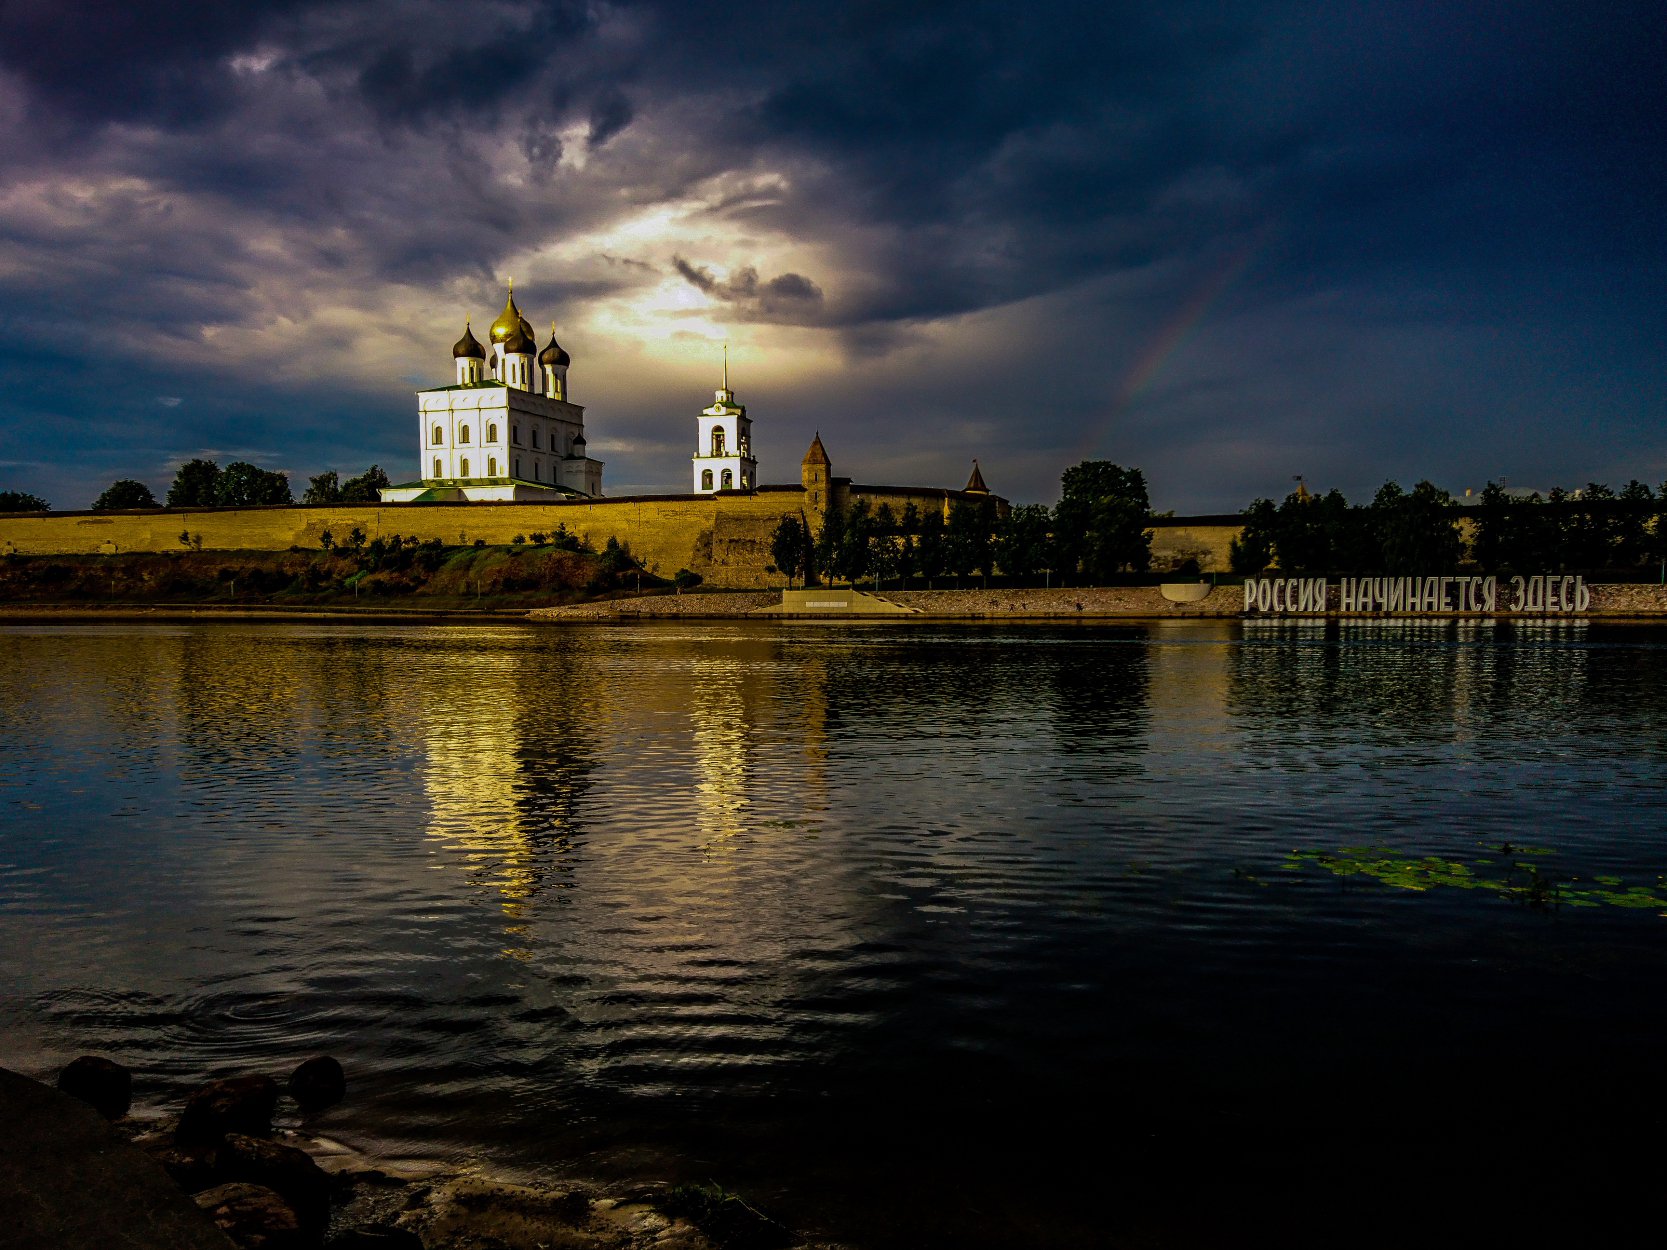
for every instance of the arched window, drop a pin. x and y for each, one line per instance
(492, 432)
(515, 433)
(439, 436)
(491, 466)
(728, 480)
(463, 434)
(538, 470)
(463, 466)
(437, 470)
(706, 479)
(535, 436)
(518, 466)
(743, 481)
(718, 441)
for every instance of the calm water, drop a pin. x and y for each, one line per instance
(921, 936)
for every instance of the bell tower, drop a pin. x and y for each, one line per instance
(723, 458)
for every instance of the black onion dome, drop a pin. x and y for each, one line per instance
(468, 346)
(553, 354)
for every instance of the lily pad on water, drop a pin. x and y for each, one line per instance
(1499, 872)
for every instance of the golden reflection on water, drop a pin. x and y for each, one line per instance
(718, 717)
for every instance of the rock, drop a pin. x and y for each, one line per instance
(375, 1237)
(288, 1171)
(67, 1181)
(191, 1169)
(254, 1217)
(103, 1084)
(241, 1104)
(318, 1083)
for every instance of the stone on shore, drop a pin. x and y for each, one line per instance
(318, 1083)
(290, 1172)
(240, 1104)
(254, 1217)
(67, 1180)
(375, 1237)
(103, 1084)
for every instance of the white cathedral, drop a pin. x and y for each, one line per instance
(506, 430)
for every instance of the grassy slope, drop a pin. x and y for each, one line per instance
(417, 577)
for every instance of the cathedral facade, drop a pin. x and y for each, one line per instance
(505, 429)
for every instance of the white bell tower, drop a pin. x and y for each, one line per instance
(723, 458)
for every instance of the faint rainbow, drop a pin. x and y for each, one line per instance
(1167, 339)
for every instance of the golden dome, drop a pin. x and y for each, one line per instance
(510, 321)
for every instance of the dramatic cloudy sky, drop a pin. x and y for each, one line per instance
(1227, 243)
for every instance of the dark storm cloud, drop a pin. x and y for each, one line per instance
(1436, 217)
(789, 298)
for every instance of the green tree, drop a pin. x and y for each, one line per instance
(1633, 541)
(243, 485)
(1022, 540)
(22, 501)
(932, 554)
(1591, 528)
(829, 543)
(365, 487)
(852, 560)
(1491, 535)
(789, 546)
(1252, 551)
(323, 489)
(970, 538)
(1418, 529)
(196, 485)
(1100, 523)
(908, 546)
(124, 494)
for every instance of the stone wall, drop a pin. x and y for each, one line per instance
(1205, 539)
(724, 538)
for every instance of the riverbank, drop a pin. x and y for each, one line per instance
(80, 1170)
(1089, 603)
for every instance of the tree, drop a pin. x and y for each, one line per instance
(243, 485)
(124, 494)
(931, 554)
(969, 538)
(790, 545)
(323, 489)
(196, 485)
(364, 488)
(1021, 540)
(1100, 523)
(1252, 550)
(829, 542)
(852, 560)
(1591, 528)
(1418, 529)
(1632, 535)
(22, 501)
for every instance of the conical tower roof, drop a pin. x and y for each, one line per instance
(975, 483)
(817, 454)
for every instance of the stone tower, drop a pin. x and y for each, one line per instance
(815, 472)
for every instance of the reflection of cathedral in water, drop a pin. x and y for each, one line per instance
(509, 756)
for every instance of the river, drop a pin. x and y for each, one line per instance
(915, 935)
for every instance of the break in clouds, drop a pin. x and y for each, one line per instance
(1227, 244)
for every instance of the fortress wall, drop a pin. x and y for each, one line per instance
(1205, 539)
(726, 539)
